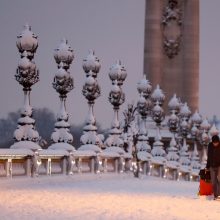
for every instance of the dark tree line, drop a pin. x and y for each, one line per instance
(45, 120)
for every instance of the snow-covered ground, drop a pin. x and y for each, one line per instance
(105, 196)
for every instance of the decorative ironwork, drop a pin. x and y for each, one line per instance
(172, 21)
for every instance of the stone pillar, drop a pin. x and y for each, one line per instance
(171, 49)
(191, 53)
(153, 56)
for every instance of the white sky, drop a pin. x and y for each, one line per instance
(115, 30)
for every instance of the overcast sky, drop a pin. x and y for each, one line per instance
(115, 30)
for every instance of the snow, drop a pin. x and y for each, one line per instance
(84, 153)
(61, 145)
(118, 150)
(6, 152)
(27, 40)
(64, 53)
(90, 147)
(157, 94)
(50, 152)
(109, 154)
(144, 156)
(25, 145)
(144, 86)
(104, 196)
(174, 103)
(26, 120)
(91, 63)
(62, 135)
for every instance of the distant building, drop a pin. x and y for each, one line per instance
(171, 50)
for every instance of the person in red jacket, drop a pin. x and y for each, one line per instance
(213, 164)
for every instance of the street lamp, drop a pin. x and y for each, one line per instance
(27, 75)
(158, 153)
(142, 149)
(158, 98)
(184, 160)
(204, 139)
(196, 121)
(63, 84)
(115, 142)
(91, 90)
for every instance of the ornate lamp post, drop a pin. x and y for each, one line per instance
(115, 142)
(117, 75)
(196, 121)
(158, 153)
(204, 127)
(184, 131)
(204, 139)
(184, 122)
(63, 84)
(173, 123)
(27, 75)
(144, 105)
(91, 91)
(158, 98)
(213, 130)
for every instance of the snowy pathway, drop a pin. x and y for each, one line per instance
(103, 197)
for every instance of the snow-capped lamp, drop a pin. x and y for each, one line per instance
(117, 75)
(185, 111)
(158, 95)
(174, 104)
(213, 130)
(144, 87)
(63, 84)
(91, 64)
(205, 125)
(27, 75)
(196, 118)
(91, 90)
(27, 41)
(64, 54)
(173, 122)
(204, 128)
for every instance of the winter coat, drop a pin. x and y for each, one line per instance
(213, 159)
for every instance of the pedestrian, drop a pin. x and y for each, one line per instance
(213, 164)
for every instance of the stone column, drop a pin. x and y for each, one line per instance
(171, 49)
(153, 54)
(191, 53)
